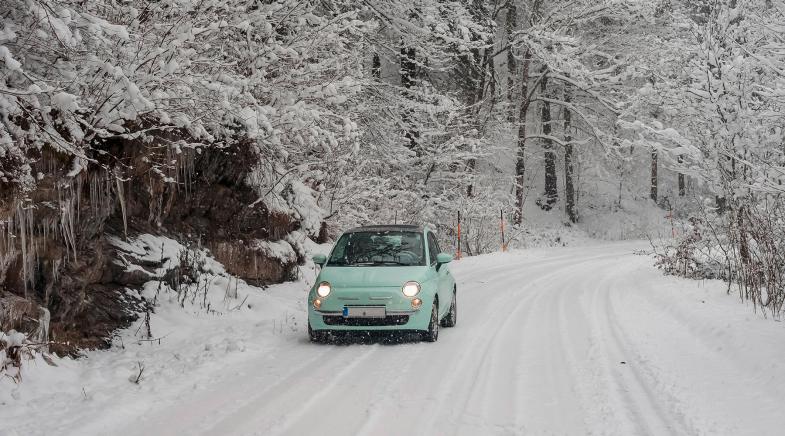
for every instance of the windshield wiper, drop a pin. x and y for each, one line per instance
(383, 262)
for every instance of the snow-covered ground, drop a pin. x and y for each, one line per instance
(556, 341)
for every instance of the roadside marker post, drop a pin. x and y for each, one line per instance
(670, 217)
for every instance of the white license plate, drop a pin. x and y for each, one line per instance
(364, 312)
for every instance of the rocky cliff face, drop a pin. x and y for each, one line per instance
(57, 265)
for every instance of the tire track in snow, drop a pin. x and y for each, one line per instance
(500, 340)
(389, 393)
(618, 399)
(467, 367)
(279, 397)
(482, 372)
(287, 420)
(648, 415)
(551, 368)
(464, 366)
(254, 405)
(646, 379)
(202, 412)
(572, 320)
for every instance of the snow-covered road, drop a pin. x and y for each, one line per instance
(567, 341)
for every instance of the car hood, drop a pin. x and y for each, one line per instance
(342, 277)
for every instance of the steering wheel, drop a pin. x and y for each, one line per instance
(407, 253)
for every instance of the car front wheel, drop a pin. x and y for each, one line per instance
(433, 326)
(316, 336)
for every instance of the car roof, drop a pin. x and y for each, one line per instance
(390, 228)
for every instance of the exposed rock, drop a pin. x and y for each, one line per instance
(54, 252)
(253, 262)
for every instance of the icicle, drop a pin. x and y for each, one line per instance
(78, 196)
(8, 253)
(71, 224)
(55, 279)
(24, 222)
(46, 225)
(94, 194)
(187, 165)
(121, 198)
(23, 235)
(67, 223)
(42, 332)
(108, 198)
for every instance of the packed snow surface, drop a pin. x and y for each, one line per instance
(557, 341)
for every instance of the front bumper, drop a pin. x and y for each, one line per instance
(395, 320)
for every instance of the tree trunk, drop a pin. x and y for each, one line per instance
(470, 169)
(408, 67)
(721, 203)
(490, 71)
(512, 64)
(520, 163)
(682, 184)
(376, 67)
(551, 182)
(569, 187)
(622, 172)
(654, 168)
(478, 97)
(408, 72)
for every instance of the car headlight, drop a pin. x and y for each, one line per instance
(410, 289)
(324, 289)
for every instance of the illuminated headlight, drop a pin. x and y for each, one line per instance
(410, 289)
(317, 303)
(323, 290)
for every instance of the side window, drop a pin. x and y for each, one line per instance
(433, 248)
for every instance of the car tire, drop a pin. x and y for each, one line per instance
(452, 315)
(316, 336)
(432, 334)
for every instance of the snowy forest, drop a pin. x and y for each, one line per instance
(608, 175)
(251, 128)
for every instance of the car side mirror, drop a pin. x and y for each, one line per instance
(443, 258)
(319, 259)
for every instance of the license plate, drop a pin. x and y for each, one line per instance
(364, 312)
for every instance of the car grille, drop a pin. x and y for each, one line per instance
(389, 320)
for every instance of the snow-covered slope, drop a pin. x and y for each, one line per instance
(586, 340)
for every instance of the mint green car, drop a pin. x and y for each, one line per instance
(383, 278)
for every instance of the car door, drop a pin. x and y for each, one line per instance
(442, 275)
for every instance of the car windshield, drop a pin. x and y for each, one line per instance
(379, 248)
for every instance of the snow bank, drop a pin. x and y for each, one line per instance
(192, 334)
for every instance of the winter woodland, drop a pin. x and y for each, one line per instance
(249, 128)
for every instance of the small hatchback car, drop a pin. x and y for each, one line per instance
(383, 278)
